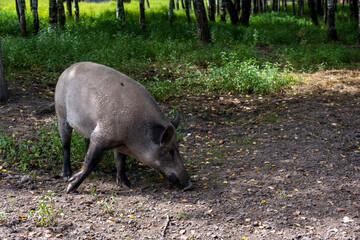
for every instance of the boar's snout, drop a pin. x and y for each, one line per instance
(188, 186)
(183, 182)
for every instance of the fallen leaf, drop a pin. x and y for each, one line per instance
(347, 220)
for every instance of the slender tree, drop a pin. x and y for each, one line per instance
(203, 30)
(68, 8)
(52, 12)
(120, 12)
(76, 10)
(222, 10)
(319, 7)
(326, 11)
(4, 92)
(142, 15)
(238, 5)
(187, 10)
(171, 11)
(20, 9)
(61, 12)
(211, 9)
(312, 12)
(293, 8)
(359, 27)
(255, 6)
(354, 10)
(147, 3)
(332, 35)
(177, 5)
(245, 12)
(300, 7)
(232, 11)
(274, 5)
(34, 11)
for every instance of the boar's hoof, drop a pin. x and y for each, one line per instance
(124, 184)
(188, 187)
(67, 175)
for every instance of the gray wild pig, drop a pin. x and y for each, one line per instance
(112, 111)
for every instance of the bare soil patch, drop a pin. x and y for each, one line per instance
(280, 166)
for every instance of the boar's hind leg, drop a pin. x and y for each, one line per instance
(65, 134)
(87, 143)
(92, 158)
(120, 162)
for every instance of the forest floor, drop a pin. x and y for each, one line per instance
(279, 166)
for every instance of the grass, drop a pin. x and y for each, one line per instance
(166, 58)
(46, 213)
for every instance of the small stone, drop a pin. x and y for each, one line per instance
(26, 178)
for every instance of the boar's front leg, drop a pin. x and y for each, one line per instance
(92, 158)
(120, 162)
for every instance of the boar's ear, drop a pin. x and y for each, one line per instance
(176, 121)
(167, 135)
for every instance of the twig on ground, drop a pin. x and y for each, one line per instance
(166, 225)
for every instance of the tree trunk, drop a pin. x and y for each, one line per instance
(255, 7)
(300, 7)
(265, 5)
(76, 10)
(177, 5)
(211, 9)
(261, 6)
(20, 8)
(171, 11)
(319, 7)
(142, 15)
(148, 4)
(4, 92)
(187, 10)
(34, 11)
(326, 12)
(237, 5)
(293, 7)
(354, 10)
(52, 12)
(217, 6)
(232, 11)
(245, 12)
(61, 12)
(203, 30)
(359, 27)
(222, 11)
(68, 8)
(274, 5)
(332, 35)
(312, 12)
(120, 13)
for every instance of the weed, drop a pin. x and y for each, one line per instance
(108, 207)
(46, 213)
(3, 216)
(93, 192)
(183, 215)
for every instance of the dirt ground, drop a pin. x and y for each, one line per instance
(280, 166)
